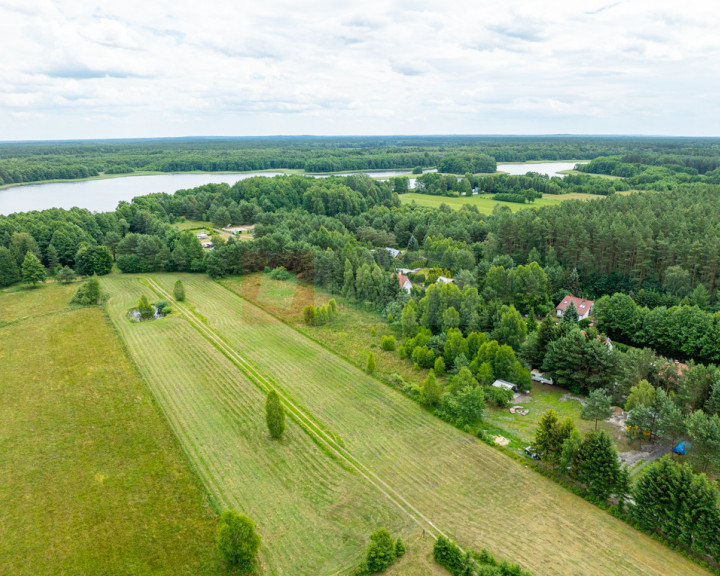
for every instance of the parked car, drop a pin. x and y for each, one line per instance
(538, 377)
(530, 451)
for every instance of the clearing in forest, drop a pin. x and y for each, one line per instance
(468, 490)
(485, 203)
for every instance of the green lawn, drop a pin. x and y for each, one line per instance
(485, 204)
(470, 491)
(92, 479)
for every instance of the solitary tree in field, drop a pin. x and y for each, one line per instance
(371, 366)
(274, 415)
(237, 541)
(598, 406)
(381, 552)
(32, 269)
(179, 291)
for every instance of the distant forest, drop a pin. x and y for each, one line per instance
(35, 162)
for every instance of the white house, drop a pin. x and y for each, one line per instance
(444, 280)
(582, 305)
(202, 236)
(394, 252)
(405, 283)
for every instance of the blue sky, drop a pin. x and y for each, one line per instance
(83, 69)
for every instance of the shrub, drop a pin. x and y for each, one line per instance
(88, 293)
(280, 273)
(439, 366)
(388, 343)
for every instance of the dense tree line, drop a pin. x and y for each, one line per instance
(33, 162)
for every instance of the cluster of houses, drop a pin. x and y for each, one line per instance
(405, 282)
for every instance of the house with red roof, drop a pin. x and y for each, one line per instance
(405, 283)
(582, 305)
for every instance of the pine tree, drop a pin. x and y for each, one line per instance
(371, 366)
(712, 406)
(598, 406)
(52, 259)
(348, 280)
(598, 466)
(571, 313)
(66, 275)
(9, 272)
(32, 269)
(274, 415)
(399, 547)
(179, 291)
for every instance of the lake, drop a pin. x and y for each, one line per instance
(104, 195)
(549, 168)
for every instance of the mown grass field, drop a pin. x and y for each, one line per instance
(485, 204)
(92, 479)
(314, 516)
(350, 336)
(468, 490)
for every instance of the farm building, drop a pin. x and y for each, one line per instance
(582, 305)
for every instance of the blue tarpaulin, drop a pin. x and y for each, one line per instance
(682, 448)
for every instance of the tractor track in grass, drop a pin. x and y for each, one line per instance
(324, 438)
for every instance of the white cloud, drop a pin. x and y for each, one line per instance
(75, 69)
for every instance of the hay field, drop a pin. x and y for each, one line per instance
(468, 490)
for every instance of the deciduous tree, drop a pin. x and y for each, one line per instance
(237, 540)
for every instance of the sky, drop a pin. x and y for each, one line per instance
(74, 69)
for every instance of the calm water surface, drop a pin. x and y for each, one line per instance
(104, 195)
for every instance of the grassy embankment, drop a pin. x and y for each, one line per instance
(465, 488)
(92, 480)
